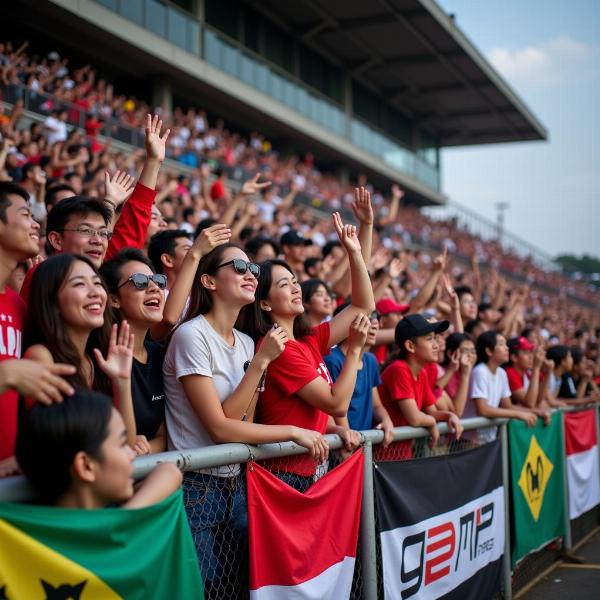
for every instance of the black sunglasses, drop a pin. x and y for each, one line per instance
(374, 315)
(241, 266)
(142, 281)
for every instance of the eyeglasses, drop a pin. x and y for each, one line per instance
(374, 315)
(141, 281)
(88, 232)
(241, 266)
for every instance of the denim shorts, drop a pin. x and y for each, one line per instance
(217, 513)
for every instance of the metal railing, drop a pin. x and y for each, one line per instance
(368, 574)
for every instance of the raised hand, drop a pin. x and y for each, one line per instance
(119, 358)
(449, 289)
(362, 207)
(118, 187)
(252, 186)
(210, 238)
(379, 258)
(397, 267)
(440, 262)
(346, 234)
(397, 192)
(357, 336)
(155, 144)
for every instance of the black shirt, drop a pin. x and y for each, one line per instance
(148, 391)
(567, 387)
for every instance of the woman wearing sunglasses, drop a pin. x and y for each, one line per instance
(211, 377)
(137, 295)
(299, 389)
(70, 322)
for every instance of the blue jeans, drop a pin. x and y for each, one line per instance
(217, 514)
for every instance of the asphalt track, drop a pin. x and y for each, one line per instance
(573, 581)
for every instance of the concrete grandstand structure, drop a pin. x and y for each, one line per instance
(372, 87)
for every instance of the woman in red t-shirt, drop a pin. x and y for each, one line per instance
(298, 388)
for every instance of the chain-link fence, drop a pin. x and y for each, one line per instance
(215, 501)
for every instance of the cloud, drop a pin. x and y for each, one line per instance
(548, 63)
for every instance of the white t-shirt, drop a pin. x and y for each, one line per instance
(58, 130)
(197, 349)
(490, 386)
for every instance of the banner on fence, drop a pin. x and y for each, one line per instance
(442, 525)
(304, 545)
(536, 465)
(108, 553)
(583, 468)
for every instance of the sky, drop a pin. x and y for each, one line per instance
(549, 53)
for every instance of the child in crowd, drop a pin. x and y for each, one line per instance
(459, 359)
(524, 371)
(405, 388)
(489, 395)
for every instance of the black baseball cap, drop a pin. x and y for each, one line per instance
(416, 325)
(294, 238)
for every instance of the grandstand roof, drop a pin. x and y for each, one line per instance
(414, 53)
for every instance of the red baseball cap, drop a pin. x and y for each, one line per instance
(385, 306)
(520, 343)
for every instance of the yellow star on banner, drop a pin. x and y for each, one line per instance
(535, 474)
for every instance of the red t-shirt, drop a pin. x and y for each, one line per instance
(516, 381)
(398, 383)
(217, 190)
(12, 316)
(433, 373)
(300, 363)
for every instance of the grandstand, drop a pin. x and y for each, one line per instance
(376, 88)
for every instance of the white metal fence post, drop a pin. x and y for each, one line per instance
(368, 558)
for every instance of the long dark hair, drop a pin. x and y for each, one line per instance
(45, 324)
(256, 322)
(453, 342)
(50, 437)
(201, 300)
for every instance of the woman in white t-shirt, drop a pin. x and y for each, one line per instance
(211, 378)
(489, 393)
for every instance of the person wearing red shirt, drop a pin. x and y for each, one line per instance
(19, 234)
(524, 371)
(405, 388)
(298, 388)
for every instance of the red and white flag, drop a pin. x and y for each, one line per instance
(583, 464)
(303, 546)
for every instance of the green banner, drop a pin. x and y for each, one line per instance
(536, 468)
(104, 554)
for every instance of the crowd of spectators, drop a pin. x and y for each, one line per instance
(79, 96)
(186, 314)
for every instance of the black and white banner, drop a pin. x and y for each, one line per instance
(442, 525)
